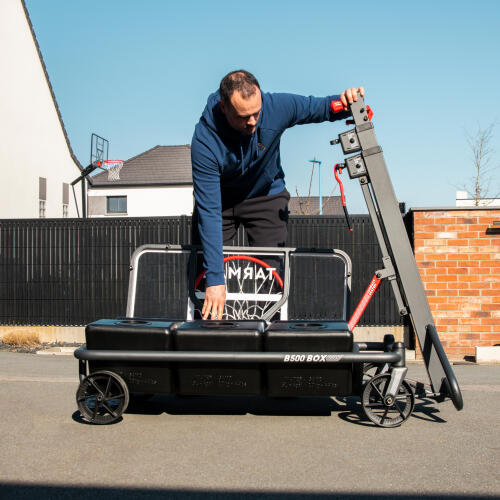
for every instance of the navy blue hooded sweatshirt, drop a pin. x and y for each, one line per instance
(229, 167)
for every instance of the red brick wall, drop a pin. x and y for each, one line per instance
(459, 262)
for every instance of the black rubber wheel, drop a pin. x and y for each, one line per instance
(371, 370)
(102, 397)
(384, 411)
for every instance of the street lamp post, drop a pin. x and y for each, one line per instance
(319, 172)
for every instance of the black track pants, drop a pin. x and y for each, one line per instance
(264, 218)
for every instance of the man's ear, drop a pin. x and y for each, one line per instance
(222, 108)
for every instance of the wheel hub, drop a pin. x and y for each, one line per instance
(388, 400)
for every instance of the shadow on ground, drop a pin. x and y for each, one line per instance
(41, 492)
(346, 408)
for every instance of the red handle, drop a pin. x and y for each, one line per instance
(336, 106)
(337, 169)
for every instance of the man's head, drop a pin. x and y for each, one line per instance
(241, 100)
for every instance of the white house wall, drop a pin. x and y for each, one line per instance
(144, 202)
(33, 143)
(463, 200)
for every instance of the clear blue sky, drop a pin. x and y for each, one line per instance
(138, 73)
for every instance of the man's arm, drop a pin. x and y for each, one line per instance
(206, 184)
(292, 109)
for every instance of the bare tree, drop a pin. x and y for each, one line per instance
(305, 202)
(480, 186)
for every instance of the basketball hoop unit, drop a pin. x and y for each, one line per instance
(113, 167)
(98, 159)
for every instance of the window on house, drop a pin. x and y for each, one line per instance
(116, 204)
(65, 199)
(42, 196)
(41, 209)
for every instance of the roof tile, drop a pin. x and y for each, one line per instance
(166, 165)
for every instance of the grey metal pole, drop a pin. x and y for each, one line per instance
(84, 198)
(370, 168)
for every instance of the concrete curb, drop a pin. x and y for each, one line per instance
(488, 355)
(57, 351)
(51, 334)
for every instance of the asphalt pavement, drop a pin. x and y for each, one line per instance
(252, 448)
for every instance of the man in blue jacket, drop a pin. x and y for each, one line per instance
(237, 173)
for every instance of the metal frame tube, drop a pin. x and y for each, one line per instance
(371, 346)
(288, 358)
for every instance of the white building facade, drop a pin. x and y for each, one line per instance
(154, 201)
(36, 159)
(155, 183)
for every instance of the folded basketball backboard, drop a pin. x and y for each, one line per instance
(168, 281)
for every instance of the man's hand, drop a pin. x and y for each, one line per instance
(350, 95)
(215, 298)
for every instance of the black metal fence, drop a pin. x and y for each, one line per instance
(74, 271)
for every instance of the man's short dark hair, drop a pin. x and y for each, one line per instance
(240, 80)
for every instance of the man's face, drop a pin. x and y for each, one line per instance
(243, 114)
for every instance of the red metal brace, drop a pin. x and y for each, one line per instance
(363, 303)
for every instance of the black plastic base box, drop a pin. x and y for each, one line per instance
(134, 335)
(309, 378)
(219, 379)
